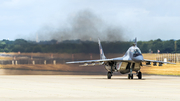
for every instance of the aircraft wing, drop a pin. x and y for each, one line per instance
(145, 60)
(90, 61)
(98, 62)
(119, 59)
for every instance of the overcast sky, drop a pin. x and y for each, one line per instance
(144, 19)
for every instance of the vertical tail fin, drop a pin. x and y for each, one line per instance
(102, 56)
(135, 41)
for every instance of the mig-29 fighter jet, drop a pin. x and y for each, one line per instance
(131, 61)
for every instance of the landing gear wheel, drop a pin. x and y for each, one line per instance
(139, 75)
(130, 76)
(109, 75)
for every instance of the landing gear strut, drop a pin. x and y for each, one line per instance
(130, 76)
(109, 74)
(139, 74)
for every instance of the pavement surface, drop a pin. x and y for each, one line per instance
(88, 88)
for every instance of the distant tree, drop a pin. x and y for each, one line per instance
(53, 41)
(20, 41)
(37, 49)
(2, 44)
(144, 48)
(78, 46)
(18, 48)
(178, 46)
(6, 50)
(29, 49)
(1, 50)
(168, 46)
(157, 45)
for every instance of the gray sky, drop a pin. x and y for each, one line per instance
(144, 19)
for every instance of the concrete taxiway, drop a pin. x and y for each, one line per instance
(88, 88)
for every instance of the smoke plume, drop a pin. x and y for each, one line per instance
(84, 25)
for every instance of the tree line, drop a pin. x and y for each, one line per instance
(78, 46)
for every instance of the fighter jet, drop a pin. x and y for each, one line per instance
(131, 61)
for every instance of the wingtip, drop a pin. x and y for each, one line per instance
(69, 62)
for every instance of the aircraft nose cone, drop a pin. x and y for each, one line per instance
(139, 58)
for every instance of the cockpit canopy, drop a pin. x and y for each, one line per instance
(136, 52)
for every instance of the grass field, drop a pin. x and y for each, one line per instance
(160, 70)
(166, 69)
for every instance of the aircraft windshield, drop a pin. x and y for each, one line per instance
(136, 52)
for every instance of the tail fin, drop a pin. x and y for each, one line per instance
(135, 41)
(102, 56)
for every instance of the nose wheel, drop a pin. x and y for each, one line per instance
(130, 76)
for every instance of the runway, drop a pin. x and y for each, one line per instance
(88, 88)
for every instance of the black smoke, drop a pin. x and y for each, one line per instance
(84, 25)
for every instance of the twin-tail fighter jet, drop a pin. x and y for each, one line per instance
(131, 61)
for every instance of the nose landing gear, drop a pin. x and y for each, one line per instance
(130, 76)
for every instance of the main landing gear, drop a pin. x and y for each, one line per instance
(139, 74)
(109, 74)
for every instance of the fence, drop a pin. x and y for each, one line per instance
(33, 62)
(175, 58)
